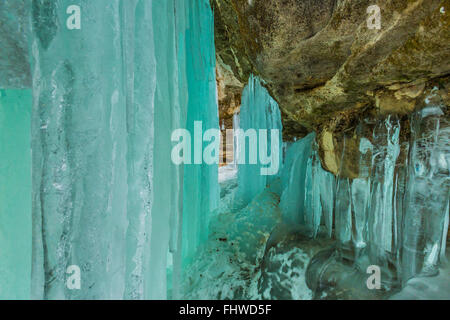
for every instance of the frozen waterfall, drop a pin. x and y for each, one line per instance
(106, 196)
(93, 205)
(393, 215)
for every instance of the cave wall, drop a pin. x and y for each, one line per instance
(327, 69)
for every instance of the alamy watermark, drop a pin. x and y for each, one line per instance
(74, 20)
(73, 281)
(374, 281)
(204, 147)
(374, 18)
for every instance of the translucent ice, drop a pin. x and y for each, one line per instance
(15, 194)
(294, 177)
(260, 114)
(427, 192)
(107, 96)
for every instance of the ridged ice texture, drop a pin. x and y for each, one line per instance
(106, 196)
(15, 194)
(79, 151)
(308, 190)
(140, 84)
(201, 187)
(258, 112)
(399, 203)
(428, 187)
(382, 219)
(395, 214)
(368, 209)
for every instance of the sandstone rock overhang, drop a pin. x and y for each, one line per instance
(322, 63)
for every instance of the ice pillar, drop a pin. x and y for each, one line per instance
(15, 194)
(79, 149)
(109, 89)
(427, 192)
(259, 136)
(201, 188)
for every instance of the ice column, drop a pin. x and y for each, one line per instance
(79, 150)
(427, 192)
(235, 139)
(308, 194)
(15, 194)
(343, 207)
(361, 194)
(327, 188)
(382, 213)
(259, 138)
(108, 93)
(201, 188)
(294, 177)
(315, 175)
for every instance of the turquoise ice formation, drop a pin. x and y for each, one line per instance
(86, 177)
(106, 196)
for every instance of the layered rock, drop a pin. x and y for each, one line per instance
(319, 58)
(326, 68)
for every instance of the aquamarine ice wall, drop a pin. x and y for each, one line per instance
(260, 114)
(106, 195)
(395, 213)
(15, 194)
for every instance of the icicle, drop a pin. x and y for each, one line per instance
(443, 256)
(361, 195)
(201, 188)
(360, 203)
(236, 139)
(313, 205)
(427, 192)
(308, 190)
(381, 216)
(79, 151)
(343, 206)
(316, 213)
(258, 112)
(141, 83)
(400, 180)
(15, 194)
(327, 185)
(106, 196)
(294, 178)
(343, 210)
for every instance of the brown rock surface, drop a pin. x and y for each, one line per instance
(320, 59)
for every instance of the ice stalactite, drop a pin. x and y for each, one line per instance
(236, 142)
(443, 257)
(427, 192)
(140, 84)
(259, 120)
(327, 189)
(361, 195)
(368, 208)
(395, 213)
(15, 194)
(313, 194)
(294, 180)
(201, 191)
(308, 191)
(381, 214)
(79, 151)
(343, 211)
(107, 96)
